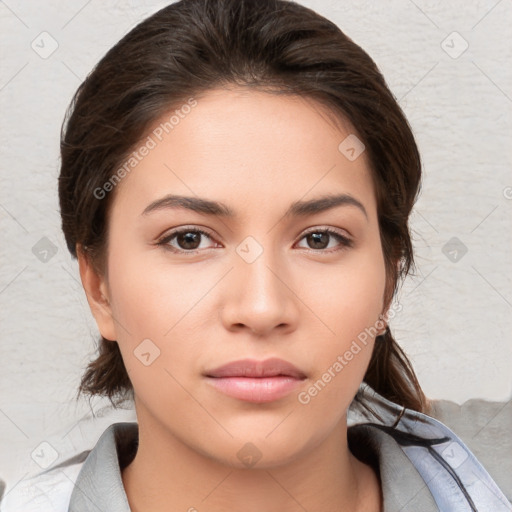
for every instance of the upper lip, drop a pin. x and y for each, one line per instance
(252, 368)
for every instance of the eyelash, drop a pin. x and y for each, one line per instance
(344, 241)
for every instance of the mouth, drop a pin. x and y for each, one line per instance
(256, 381)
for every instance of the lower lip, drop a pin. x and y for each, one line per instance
(258, 390)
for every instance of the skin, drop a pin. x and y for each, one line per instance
(257, 153)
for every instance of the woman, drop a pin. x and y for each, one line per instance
(236, 184)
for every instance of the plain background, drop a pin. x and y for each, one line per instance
(448, 65)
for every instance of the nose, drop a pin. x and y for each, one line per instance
(260, 298)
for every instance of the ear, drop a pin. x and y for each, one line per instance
(96, 290)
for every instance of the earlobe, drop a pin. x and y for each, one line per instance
(96, 291)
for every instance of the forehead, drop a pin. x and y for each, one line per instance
(242, 143)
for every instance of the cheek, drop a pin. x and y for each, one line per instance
(148, 303)
(347, 297)
(150, 297)
(347, 302)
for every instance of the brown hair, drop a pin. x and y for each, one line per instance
(192, 46)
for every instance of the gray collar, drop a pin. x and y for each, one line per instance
(99, 486)
(403, 488)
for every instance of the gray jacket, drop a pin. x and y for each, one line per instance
(423, 466)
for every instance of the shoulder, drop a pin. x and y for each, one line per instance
(49, 491)
(423, 450)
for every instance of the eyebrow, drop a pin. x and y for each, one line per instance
(296, 209)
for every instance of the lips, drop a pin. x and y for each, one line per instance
(256, 381)
(251, 368)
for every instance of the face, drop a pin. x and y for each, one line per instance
(191, 288)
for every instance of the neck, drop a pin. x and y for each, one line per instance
(167, 475)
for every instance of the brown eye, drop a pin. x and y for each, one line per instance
(184, 241)
(320, 239)
(188, 240)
